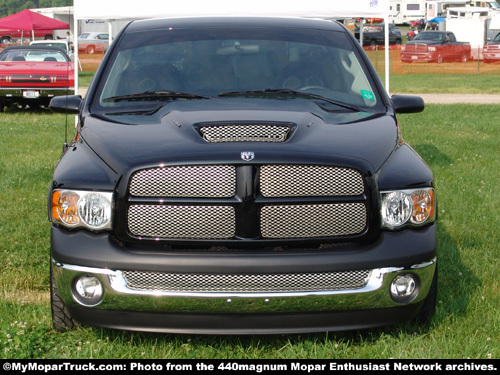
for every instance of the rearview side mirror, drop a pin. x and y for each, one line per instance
(68, 104)
(408, 103)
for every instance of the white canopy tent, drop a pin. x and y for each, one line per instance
(112, 10)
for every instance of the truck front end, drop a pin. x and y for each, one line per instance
(240, 176)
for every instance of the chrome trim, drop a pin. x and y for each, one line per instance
(117, 296)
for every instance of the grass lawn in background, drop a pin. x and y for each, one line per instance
(459, 142)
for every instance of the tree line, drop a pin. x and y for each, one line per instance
(8, 7)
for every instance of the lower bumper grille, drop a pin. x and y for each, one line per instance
(258, 283)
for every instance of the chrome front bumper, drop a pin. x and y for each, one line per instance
(119, 296)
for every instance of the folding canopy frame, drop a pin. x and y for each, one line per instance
(113, 10)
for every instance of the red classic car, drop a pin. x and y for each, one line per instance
(33, 75)
(93, 42)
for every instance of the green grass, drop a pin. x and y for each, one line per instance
(459, 142)
(485, 83)
(84, 78)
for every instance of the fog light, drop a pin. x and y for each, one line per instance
(88, 290)
(404, 288)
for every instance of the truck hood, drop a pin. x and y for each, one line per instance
(171, 136)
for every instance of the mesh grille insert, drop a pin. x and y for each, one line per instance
(245, 133)
(246, 283)
(321, 220)
(309, 180)
(187, 222)
(209, 181)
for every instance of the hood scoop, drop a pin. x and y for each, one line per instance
(223, 133)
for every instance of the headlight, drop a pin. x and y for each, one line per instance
(412, 207)
(87, 209)
(431, 49)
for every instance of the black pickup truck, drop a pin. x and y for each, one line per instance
(240, 176)
(374, 35)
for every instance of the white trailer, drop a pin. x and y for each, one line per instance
(405, 11)
(469, 24)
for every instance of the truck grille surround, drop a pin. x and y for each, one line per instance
(228, 202)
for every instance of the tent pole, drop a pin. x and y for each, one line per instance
(387, 55)
(361, 22)
(110, 31)
(75, 51)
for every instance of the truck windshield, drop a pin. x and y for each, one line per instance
(201, 63)
(429, 36)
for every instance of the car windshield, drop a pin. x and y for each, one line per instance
(63, 46)
(497, 38)
(38, 55)
(221, 62)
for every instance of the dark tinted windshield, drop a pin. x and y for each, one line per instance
(209, 61)
(429, 36)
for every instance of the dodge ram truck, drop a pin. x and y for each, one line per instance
(240, 175)
(435, 46)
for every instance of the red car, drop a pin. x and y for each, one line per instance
(33, 75)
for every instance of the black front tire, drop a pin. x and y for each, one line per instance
(429, 307)
(61, 319)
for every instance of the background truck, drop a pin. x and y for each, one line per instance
(435, 46)
(374, 35)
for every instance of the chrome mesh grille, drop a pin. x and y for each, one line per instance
(186, 222)
(309, 180)
(417, 47)
(245, 133)
(209, 181)
(245, 283)
(317, 220)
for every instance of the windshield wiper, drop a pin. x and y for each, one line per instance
(293, 92)
(154, 95)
